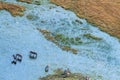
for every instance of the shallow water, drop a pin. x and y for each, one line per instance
(96, 58)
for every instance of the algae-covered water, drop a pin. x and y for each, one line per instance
(97, 52)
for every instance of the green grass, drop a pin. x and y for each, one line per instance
(31, 17)
(65, 40)
(58, 76)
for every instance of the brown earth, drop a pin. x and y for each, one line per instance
(14, 9)
(27, 1)
(37, 2)
(103, 13)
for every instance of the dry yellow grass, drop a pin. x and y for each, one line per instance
(14, 9)
(103, 13)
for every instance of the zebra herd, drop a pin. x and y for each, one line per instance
(18, 57)
(32, 55)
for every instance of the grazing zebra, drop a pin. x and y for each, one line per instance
(87, 78)
(66, 73)
(33, 55)
(14, 62)
(18, 57)
(47, 68)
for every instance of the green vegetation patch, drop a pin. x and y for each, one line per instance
(32, 17)
(61, 40)
(68, 40)
(58, 76)
(37, 2)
